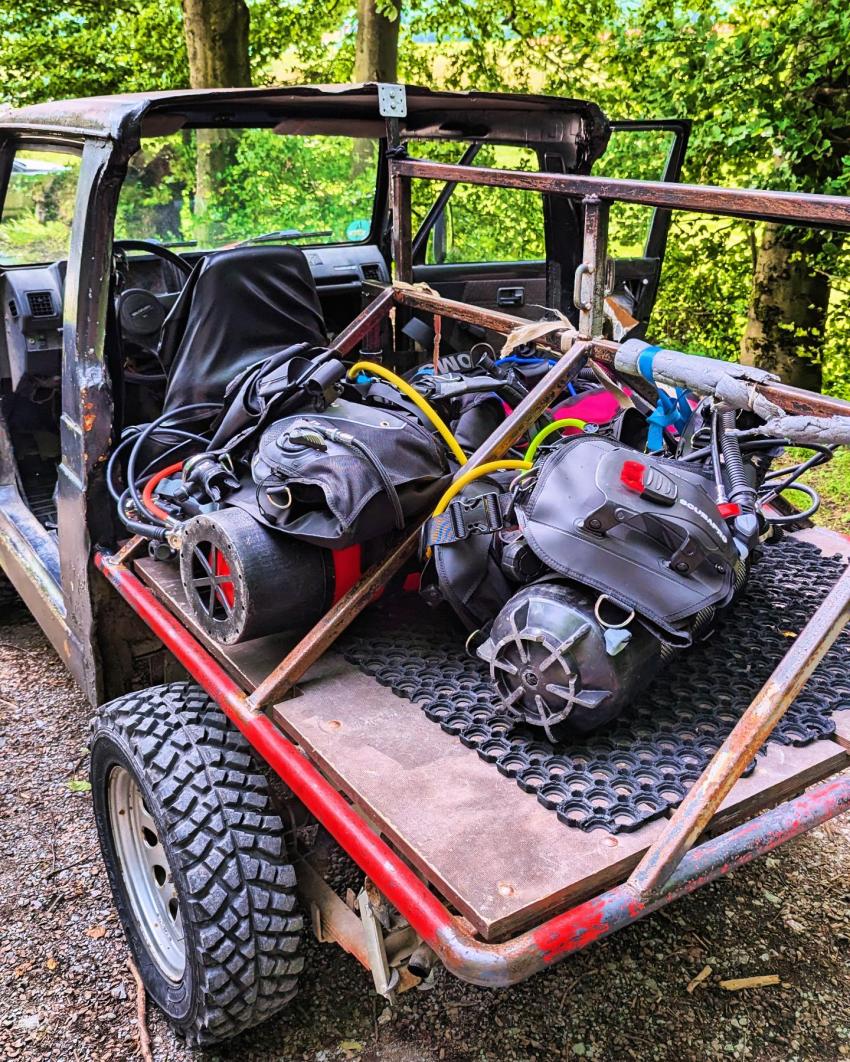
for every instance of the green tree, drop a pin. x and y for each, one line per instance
(768, 89)
(217, 42)
(89, 47)
(217, 46)
(376, 45)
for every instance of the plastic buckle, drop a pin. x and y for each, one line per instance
(481, 515)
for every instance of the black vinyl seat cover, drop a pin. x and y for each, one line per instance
(238, 307)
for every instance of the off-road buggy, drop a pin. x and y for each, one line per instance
(503, 598)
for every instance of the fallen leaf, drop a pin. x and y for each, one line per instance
(78, 785)
(96, 932)
(698, 980)
(737, 983)
(351, 1047)
(51, 963)
(790, 634)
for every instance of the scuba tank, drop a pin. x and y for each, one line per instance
(604, 562)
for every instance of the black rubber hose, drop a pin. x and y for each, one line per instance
(805, 514)
(781, 479)
(716, 467)
(741, 490)
(389, 486)
(136, 527)
(110, 467)
(147, 432)
(145, 530)
(185, 437)
(747, 446)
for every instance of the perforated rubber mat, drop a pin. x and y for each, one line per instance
(632, 772)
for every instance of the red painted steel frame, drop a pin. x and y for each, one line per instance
(461, 953)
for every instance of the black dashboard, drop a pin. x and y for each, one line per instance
(33, 298)
(32, 313)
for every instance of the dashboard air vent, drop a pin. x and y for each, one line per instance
(371, 271)
(41, 303)
(13, 308)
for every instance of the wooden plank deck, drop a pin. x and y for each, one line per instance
(498, 856)
(501, 858)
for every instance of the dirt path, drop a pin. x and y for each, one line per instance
(65, 992)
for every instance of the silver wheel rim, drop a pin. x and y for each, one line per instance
(147, 875)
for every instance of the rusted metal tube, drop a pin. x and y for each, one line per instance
(402, 227)
(590, 297)
(501, 965)
(812, 211)
(302, 657)
(792, 399)
(494, 320)
(743, 743)
(538, 399)
(364, 323)
(293, 666)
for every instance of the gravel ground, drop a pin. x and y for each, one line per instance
(67, 993)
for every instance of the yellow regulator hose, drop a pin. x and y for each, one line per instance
(416, 398)
(467, 477)
(474, 473)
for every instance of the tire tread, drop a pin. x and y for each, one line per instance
(230, 845)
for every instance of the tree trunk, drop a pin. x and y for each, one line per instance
(217, 37)
(788, 307)
(376, 48)
(216, 33)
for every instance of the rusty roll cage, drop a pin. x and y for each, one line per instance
(597, 194)
(671, 867)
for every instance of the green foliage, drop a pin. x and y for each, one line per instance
(302, 42)
(768, 88)
(702, 301)
(767, 85)
(483, 224)
(832, 482)
(89, 47)
(39, 207)
(308, 183)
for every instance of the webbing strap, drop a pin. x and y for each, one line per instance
(670, 412)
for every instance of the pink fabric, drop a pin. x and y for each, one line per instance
(598, 407)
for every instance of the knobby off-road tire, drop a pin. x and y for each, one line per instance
(214, 931)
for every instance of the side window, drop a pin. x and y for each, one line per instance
(636, 155)
(38, 208)
(481, 224)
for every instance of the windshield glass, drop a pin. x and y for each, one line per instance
(214, 188)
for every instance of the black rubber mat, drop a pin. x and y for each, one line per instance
(642, 765)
